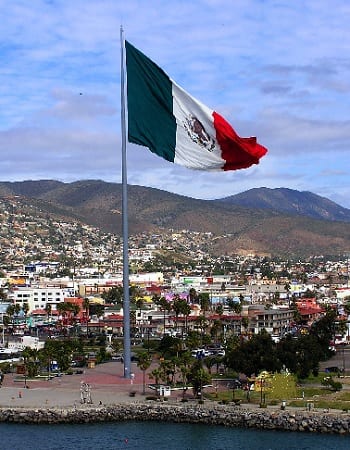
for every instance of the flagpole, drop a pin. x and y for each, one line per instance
(126, 302)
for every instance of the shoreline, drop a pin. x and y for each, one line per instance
(58, 401)
(213, 415)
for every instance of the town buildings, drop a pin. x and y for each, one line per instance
(44, 263)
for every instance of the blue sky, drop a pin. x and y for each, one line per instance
(279, 70)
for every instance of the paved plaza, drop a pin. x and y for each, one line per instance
(106, 382)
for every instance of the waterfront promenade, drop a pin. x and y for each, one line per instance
(58, 401)
(106, 381)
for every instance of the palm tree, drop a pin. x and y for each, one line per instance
(209, 362)
(30, 359)
(183, 366)
(144, 363)
(176, 308)
(47, 355)
(204, 301)
(192, 295)
(10, 312)
(139, 303)
(164, 305)
(48, 310)
(156, 374)
(25, 309)
(186, 312)
(180, 306)
(86, 306)
(216, 329)
(3, 295)
(74, 309)
(202, 323)
(199, 377)
(17, 310)
(62, 309)
(245, 323)
(234, 306)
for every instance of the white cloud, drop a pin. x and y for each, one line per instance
(277, 70)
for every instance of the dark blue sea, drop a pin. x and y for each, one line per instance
(158, 436)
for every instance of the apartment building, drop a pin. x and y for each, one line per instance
(39, 297)
(274, 321)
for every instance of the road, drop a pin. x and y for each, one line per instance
(341, 359)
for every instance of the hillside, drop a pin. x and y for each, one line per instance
(237, 229)
(290, 201)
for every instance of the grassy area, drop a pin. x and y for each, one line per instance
(310, 391)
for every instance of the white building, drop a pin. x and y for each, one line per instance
(26, 341)
(38, 298)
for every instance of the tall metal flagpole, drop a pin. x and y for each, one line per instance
(126, 302)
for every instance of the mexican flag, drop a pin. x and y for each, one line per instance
(172, 124)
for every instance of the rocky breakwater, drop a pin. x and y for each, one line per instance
(207, 414)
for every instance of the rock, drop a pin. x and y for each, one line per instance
(208, 414)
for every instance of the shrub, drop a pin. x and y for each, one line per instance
(334, 385)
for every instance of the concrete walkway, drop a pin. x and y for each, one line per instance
(107, 383)
(108, 388)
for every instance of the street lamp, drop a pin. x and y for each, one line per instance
(261, 391)
(25, 373)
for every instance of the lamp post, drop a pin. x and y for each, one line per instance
(261, 391)
(25, 373)
(148, 331)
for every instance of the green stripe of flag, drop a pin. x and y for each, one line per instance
(150, 105)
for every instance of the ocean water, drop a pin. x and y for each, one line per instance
(158, 436)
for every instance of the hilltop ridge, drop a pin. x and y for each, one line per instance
(266, 225)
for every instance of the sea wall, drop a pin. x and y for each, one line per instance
(213, 415)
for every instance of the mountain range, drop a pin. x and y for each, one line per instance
(277, 222)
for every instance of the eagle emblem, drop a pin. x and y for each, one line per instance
(197, 133)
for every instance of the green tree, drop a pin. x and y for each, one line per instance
(144, 362)
(234, 306)
(198, 377)
(324, 330)
(96, 309)
(3, 294)
(48, 310)
(113, 295)
(253, 356)
(333, 385)
(169, 346)
(10, 313)
(86, 307)
(25, 309)
(204, 301)
(31, 360)
(165, 306)
(245, 323)
(301, 356)
(116, 346)
(283, 386)
(62, 351)
(193, 339)
(192, 295)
